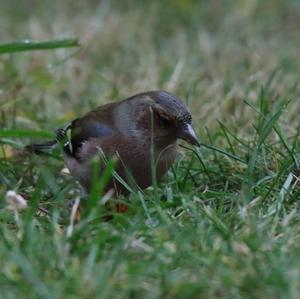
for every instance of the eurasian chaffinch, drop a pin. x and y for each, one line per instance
(127, 129)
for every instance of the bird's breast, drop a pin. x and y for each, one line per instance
(137, 160)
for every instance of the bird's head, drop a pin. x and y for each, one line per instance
(167, 117)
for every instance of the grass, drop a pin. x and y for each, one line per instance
(31, 46)
(224, 223)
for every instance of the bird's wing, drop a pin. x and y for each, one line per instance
(95, 124)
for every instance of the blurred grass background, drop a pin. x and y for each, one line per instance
(208, 242)
(218, 53)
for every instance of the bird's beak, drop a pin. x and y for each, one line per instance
(188, 134)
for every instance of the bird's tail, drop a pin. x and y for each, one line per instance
(40, 148)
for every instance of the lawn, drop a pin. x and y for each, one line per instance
(224, 222)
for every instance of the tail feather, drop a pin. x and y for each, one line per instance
(39, 148)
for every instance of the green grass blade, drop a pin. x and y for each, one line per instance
(11, 133)
(28, 45)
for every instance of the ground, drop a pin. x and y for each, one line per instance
(224, 223)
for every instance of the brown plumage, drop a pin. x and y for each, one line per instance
(126, 129)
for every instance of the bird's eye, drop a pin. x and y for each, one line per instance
(162, 118)
(164, 123)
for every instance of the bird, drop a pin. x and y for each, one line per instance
(138, 130)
